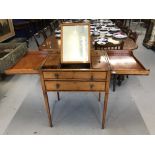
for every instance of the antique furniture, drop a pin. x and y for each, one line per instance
(125, 29)
(48, 31)
(81, 74)
(109, 46)
(52, 43)
(56, 78)
(133, 36)
(39, 36)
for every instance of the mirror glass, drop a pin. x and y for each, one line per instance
(75, 43)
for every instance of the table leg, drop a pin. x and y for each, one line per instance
(48, 108)
(46, 101)
(105, 101)
(104, 110)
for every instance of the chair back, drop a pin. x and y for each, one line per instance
(109, 46)
(125, 29)
(39, 37)
(133, 36)
(119, 23)
(47, 31)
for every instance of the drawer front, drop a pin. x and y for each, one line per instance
(74, 86)
(75, 75)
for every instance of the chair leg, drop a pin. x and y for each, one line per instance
(58, 96)
(2, 76)
(114, 82)
(99, 96)
(119, 80)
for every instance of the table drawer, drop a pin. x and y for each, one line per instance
(74, 86)
(74, 75)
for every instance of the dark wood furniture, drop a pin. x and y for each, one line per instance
(109, 46)
(133, 36)
(38, 36)
(48, 31)
(125, 29)
(53, 44)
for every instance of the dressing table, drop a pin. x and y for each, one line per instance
(89, 71)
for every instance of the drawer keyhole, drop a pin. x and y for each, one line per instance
(57, 85)
(92, 77)
(91, 85)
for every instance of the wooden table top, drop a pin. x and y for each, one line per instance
(124, 62)
(29, 64)
(118, 61)
(53, 44)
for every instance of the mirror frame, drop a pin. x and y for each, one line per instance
(89, 41)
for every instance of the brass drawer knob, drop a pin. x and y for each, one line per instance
(57, 75)
(91, 85)
(57, 85)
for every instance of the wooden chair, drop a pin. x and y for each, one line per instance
(126, 29)
(52, 28)
(133, 36)
(111, 46)
(39, 37)
(130, 31)
(47, 31)
(56, 23)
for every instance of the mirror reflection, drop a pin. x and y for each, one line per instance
(75, 43)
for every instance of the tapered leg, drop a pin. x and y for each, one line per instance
(104, 110)
(99, 96)
(46, 101)
(58, 96)
(48, 109)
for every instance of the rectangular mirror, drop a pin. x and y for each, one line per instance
(75, 46)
